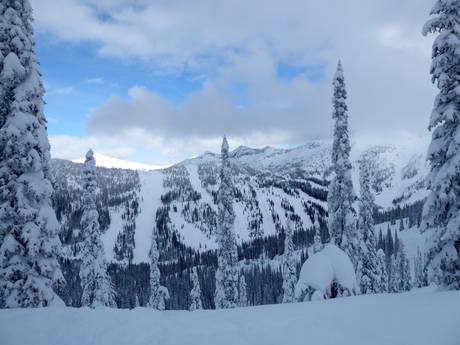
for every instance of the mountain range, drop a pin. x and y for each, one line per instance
(270, 185)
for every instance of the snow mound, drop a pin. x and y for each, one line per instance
(322, 269)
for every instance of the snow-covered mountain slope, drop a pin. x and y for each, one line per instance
(110, 162)
(270, 185)
(421, 317)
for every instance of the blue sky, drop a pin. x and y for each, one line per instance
(78, 80)
(159, 82)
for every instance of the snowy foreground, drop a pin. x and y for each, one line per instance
(420, 317)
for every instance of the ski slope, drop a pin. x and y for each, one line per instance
(421, 317)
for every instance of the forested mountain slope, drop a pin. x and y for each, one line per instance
(270, 185)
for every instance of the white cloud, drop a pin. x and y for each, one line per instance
(241, 42)
(66, 90)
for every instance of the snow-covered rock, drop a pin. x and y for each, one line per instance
(324, 268)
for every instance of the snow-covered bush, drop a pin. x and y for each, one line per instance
(328, 270)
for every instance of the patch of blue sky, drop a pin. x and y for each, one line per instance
(314, 73)
(239, 95)
(77, 80)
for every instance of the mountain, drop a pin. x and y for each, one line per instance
(270, 184)
(110, 162)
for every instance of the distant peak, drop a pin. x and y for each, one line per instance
(111, 162)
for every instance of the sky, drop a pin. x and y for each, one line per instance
(161, 81)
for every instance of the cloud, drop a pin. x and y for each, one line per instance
(141, 146)
(236, 48)
(66, 90)
(72, 147)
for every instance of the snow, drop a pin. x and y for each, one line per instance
(12, 67)
(110, 162)
(151, 190)
(422, 318)
(320, 269)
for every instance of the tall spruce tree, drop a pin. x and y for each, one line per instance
(368, 270)
(95, 281)
(401, 277)
(289, 265)
(317, 243)
(195, 293)
(29, 242)
(226, 275)
(242, 291)
(382, 282)
(342, 223)
(441, 214)
(420, 278)
(158, 293)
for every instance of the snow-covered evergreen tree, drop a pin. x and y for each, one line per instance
(317, 244)
(392, 278)
(195, 293)
(125, 243)
(367, 272)
(342, 220)
(226, 275)
(420, 277)
(289, 265)
(382, 281)
(29, 243)
(242, 292)
(401, 276)
(158, 293)
(95, 281)
(441, 214)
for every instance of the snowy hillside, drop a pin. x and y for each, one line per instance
(270, 183)
(110, 162)
(420, 317)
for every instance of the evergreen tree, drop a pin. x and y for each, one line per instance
(389, 243)
(95, 282)
(125, 243)
(392, 276)
(29, 242)
(380, 243)
(420, 278)
(289, 266)
(317, 244)
(441, 214)
(397, 244)
(226, 274)
(401, 273)
(195, 293)
(242, 292)
(158, 293)
(367, 261)
(342, 223)
(382, 282)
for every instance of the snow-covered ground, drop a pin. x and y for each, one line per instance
(422, 317)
